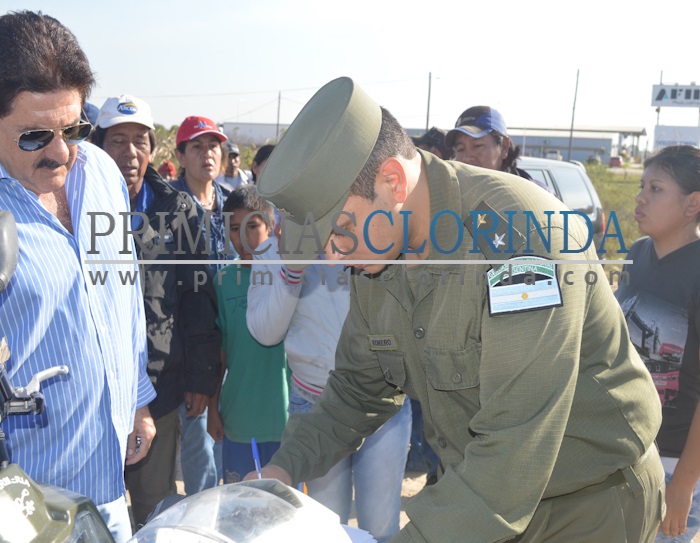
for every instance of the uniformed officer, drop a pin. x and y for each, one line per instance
(476, 297)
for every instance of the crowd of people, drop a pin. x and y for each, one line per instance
(542, 410)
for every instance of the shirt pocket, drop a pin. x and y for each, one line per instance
(449, 369)
(393, 367)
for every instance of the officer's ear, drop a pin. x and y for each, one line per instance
(391, 180)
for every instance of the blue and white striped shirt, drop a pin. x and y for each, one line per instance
(52, 313)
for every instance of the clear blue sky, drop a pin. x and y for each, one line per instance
(229, 59)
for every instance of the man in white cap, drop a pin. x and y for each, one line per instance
(540, 411)
(183, 340)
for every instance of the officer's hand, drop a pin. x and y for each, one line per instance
(140, 439)
(271, 472)
(195, 403)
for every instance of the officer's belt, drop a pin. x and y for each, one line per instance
(629, 475)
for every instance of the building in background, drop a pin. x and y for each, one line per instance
(544, 142)
(586, 143)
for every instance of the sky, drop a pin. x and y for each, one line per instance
(252, 60)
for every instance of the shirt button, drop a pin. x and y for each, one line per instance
(456, 378)
(419, 332)
(387, 375)
(442, 442)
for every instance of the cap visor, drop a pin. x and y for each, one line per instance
(124, 119)
(471, 131)
(221, 137)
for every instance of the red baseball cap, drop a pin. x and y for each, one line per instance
(194, 126)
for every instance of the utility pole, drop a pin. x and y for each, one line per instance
(427, 116)
(279, 103)
(573, 114)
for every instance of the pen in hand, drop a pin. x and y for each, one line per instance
(256, 457)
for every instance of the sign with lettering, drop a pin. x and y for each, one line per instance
(676, 96)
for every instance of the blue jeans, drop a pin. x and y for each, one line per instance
(693, 524)
(238, 458)
(200, 455)
(116, 517)
(421, 457)
(377, 470)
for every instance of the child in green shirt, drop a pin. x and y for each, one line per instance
(252, 402)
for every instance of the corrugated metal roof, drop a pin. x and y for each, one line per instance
(631, 130)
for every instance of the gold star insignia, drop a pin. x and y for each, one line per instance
(480, 219)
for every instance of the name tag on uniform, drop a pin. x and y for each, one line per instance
(385, 342)
(526, 283)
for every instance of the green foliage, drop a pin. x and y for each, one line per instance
(165, 145)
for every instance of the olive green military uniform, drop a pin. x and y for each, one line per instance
(535, 414)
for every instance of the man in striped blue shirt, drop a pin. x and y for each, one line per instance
(58, 308)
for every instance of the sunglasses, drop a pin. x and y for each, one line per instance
(33, 140)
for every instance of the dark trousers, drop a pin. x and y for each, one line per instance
(153, 478)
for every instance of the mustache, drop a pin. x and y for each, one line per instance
(48, 163)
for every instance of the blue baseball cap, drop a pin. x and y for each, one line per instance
(476, 122)
(90, 113)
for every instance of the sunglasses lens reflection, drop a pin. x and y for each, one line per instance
(76, 134)
(35, 140)
(38, 139)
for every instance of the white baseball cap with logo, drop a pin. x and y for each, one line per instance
(125, 109)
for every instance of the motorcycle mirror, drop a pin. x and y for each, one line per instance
(8, 247)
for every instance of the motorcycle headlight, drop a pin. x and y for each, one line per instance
(87, 529)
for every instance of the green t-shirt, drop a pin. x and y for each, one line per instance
(254, 397)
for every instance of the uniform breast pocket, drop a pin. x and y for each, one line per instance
(393, 367)
(449, 369)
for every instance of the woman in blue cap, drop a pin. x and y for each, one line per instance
(480, 138)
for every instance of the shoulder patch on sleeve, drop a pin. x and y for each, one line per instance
(526, 283)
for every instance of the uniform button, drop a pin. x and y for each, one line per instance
(419, 332)
(387, 375)
(442, 442)
(456, 378)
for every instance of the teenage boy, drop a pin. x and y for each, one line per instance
(252, 402)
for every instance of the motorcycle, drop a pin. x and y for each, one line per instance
(31, 512)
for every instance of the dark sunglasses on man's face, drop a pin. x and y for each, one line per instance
(33, 140)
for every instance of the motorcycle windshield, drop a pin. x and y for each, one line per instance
(259, 511)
